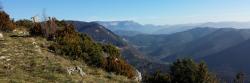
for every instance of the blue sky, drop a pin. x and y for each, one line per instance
(142, 11)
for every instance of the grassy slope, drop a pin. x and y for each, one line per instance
(26, 61)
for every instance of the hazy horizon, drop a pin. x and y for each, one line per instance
(160, 12)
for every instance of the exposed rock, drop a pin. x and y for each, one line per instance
(8, 59)
(1, 36)
(20, 33)
(34, 43)
(36, 46)
(111, 74)
(116, 59)
(76, 69)
(80, 71)
(3, 57)
(138, 76)
(70, 70)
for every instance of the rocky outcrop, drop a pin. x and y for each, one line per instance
(1, 36)
(20, 33)
(138, 76)
(76, 69)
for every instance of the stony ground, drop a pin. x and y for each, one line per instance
(27, 59)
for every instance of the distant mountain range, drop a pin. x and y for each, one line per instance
(225, 50)
(129, 26)
(120, 27)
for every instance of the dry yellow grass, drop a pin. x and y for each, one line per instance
(25, 60)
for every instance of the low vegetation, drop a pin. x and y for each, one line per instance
(184, 71)
(6, 24)
(27, 60)
(24, 23)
